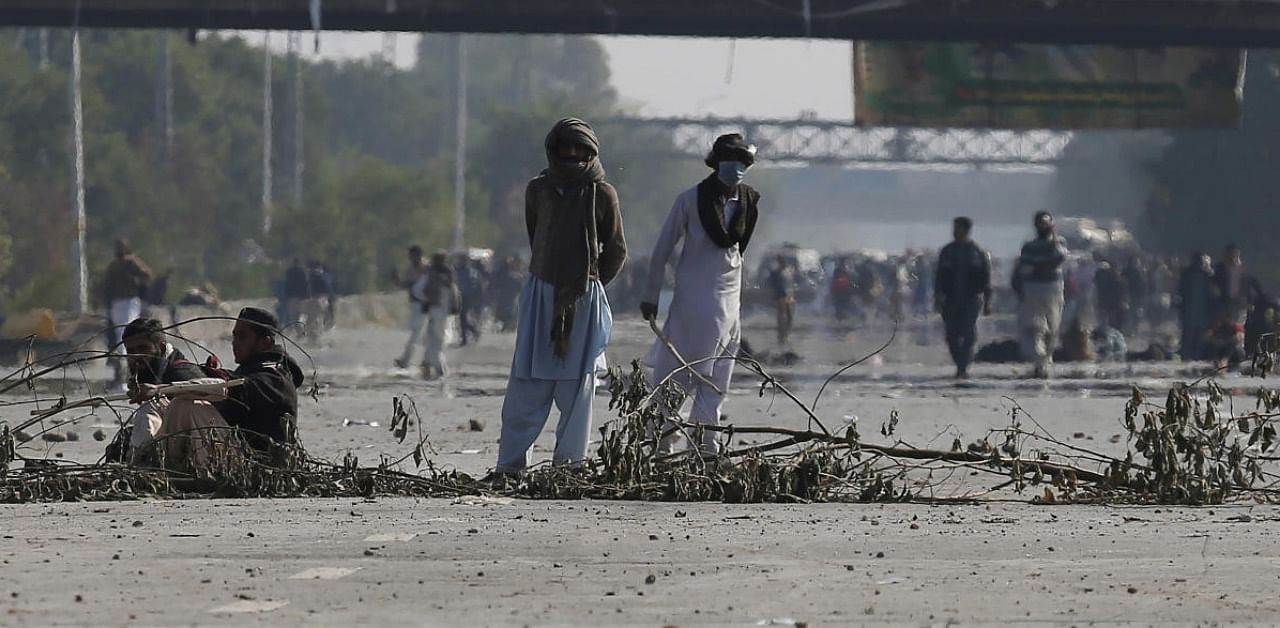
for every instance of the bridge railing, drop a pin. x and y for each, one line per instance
(841, 143)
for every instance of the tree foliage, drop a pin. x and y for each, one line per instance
(377, 146)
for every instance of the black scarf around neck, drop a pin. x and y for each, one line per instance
(711, 212)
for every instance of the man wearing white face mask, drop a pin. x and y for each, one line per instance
(715, 219)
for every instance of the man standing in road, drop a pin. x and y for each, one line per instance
(473, 283)
(715, 219)
(127, 281)
(1232, 285)
(574, 222)
(962, 289)
(417, 313)
(438, 289)
(1037, 280)
(782, 285)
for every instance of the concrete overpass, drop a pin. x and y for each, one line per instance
(1235, 23)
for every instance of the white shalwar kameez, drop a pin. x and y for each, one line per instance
(704, 320)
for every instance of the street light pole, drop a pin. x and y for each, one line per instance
(79, 278)
(460, 141)
(266, 133)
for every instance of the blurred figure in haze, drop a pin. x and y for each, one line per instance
(1037, 280)
(1135, 281)
(1195, 303)
(1113, 297)
(1264, 319)
(1080, 294)
(505, 289)
(473, 282)
(438, 291)
(323, 302)
(158, 295)
(1163, 282)
(715, 220)
(417, 313)
(782, 286)
(869, 287)
(297, 292)
(842, 289)
(899, 286)
(962, 290)
(922, 273)
(1234, 288)
(126, 282)
(1224, 343)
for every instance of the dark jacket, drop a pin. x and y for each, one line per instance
(269, 393)
(127, 278)
(1195, 295)
(442, 290)
(964, 272)
(297, 283)
(1250, 290)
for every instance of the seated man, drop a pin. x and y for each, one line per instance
(263, 406)
(152, 361)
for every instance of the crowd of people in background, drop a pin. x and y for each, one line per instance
(1196, 309)
(1118, 303)
(1066, 304)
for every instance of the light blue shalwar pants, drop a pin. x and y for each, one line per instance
(417, 319)
(539, 378)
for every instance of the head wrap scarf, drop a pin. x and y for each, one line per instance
(573, 233)
(711, 200)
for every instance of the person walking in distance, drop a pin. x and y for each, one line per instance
(417, 313)
(1037, 280)
(1232, 285)
(962, 290)
(473, 282)
(442, 301)
(127, 281)
(297, 292)
(574, 222)
(715, 220)
(782, 283)
(1195, 305)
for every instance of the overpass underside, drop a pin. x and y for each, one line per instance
(1234, 23)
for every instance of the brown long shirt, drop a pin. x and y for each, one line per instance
(542, 200)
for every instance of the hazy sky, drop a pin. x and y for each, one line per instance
(665, 76)
(748, 77)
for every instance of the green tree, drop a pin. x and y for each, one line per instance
(378, 154)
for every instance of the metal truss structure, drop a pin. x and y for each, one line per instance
(838, 143)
